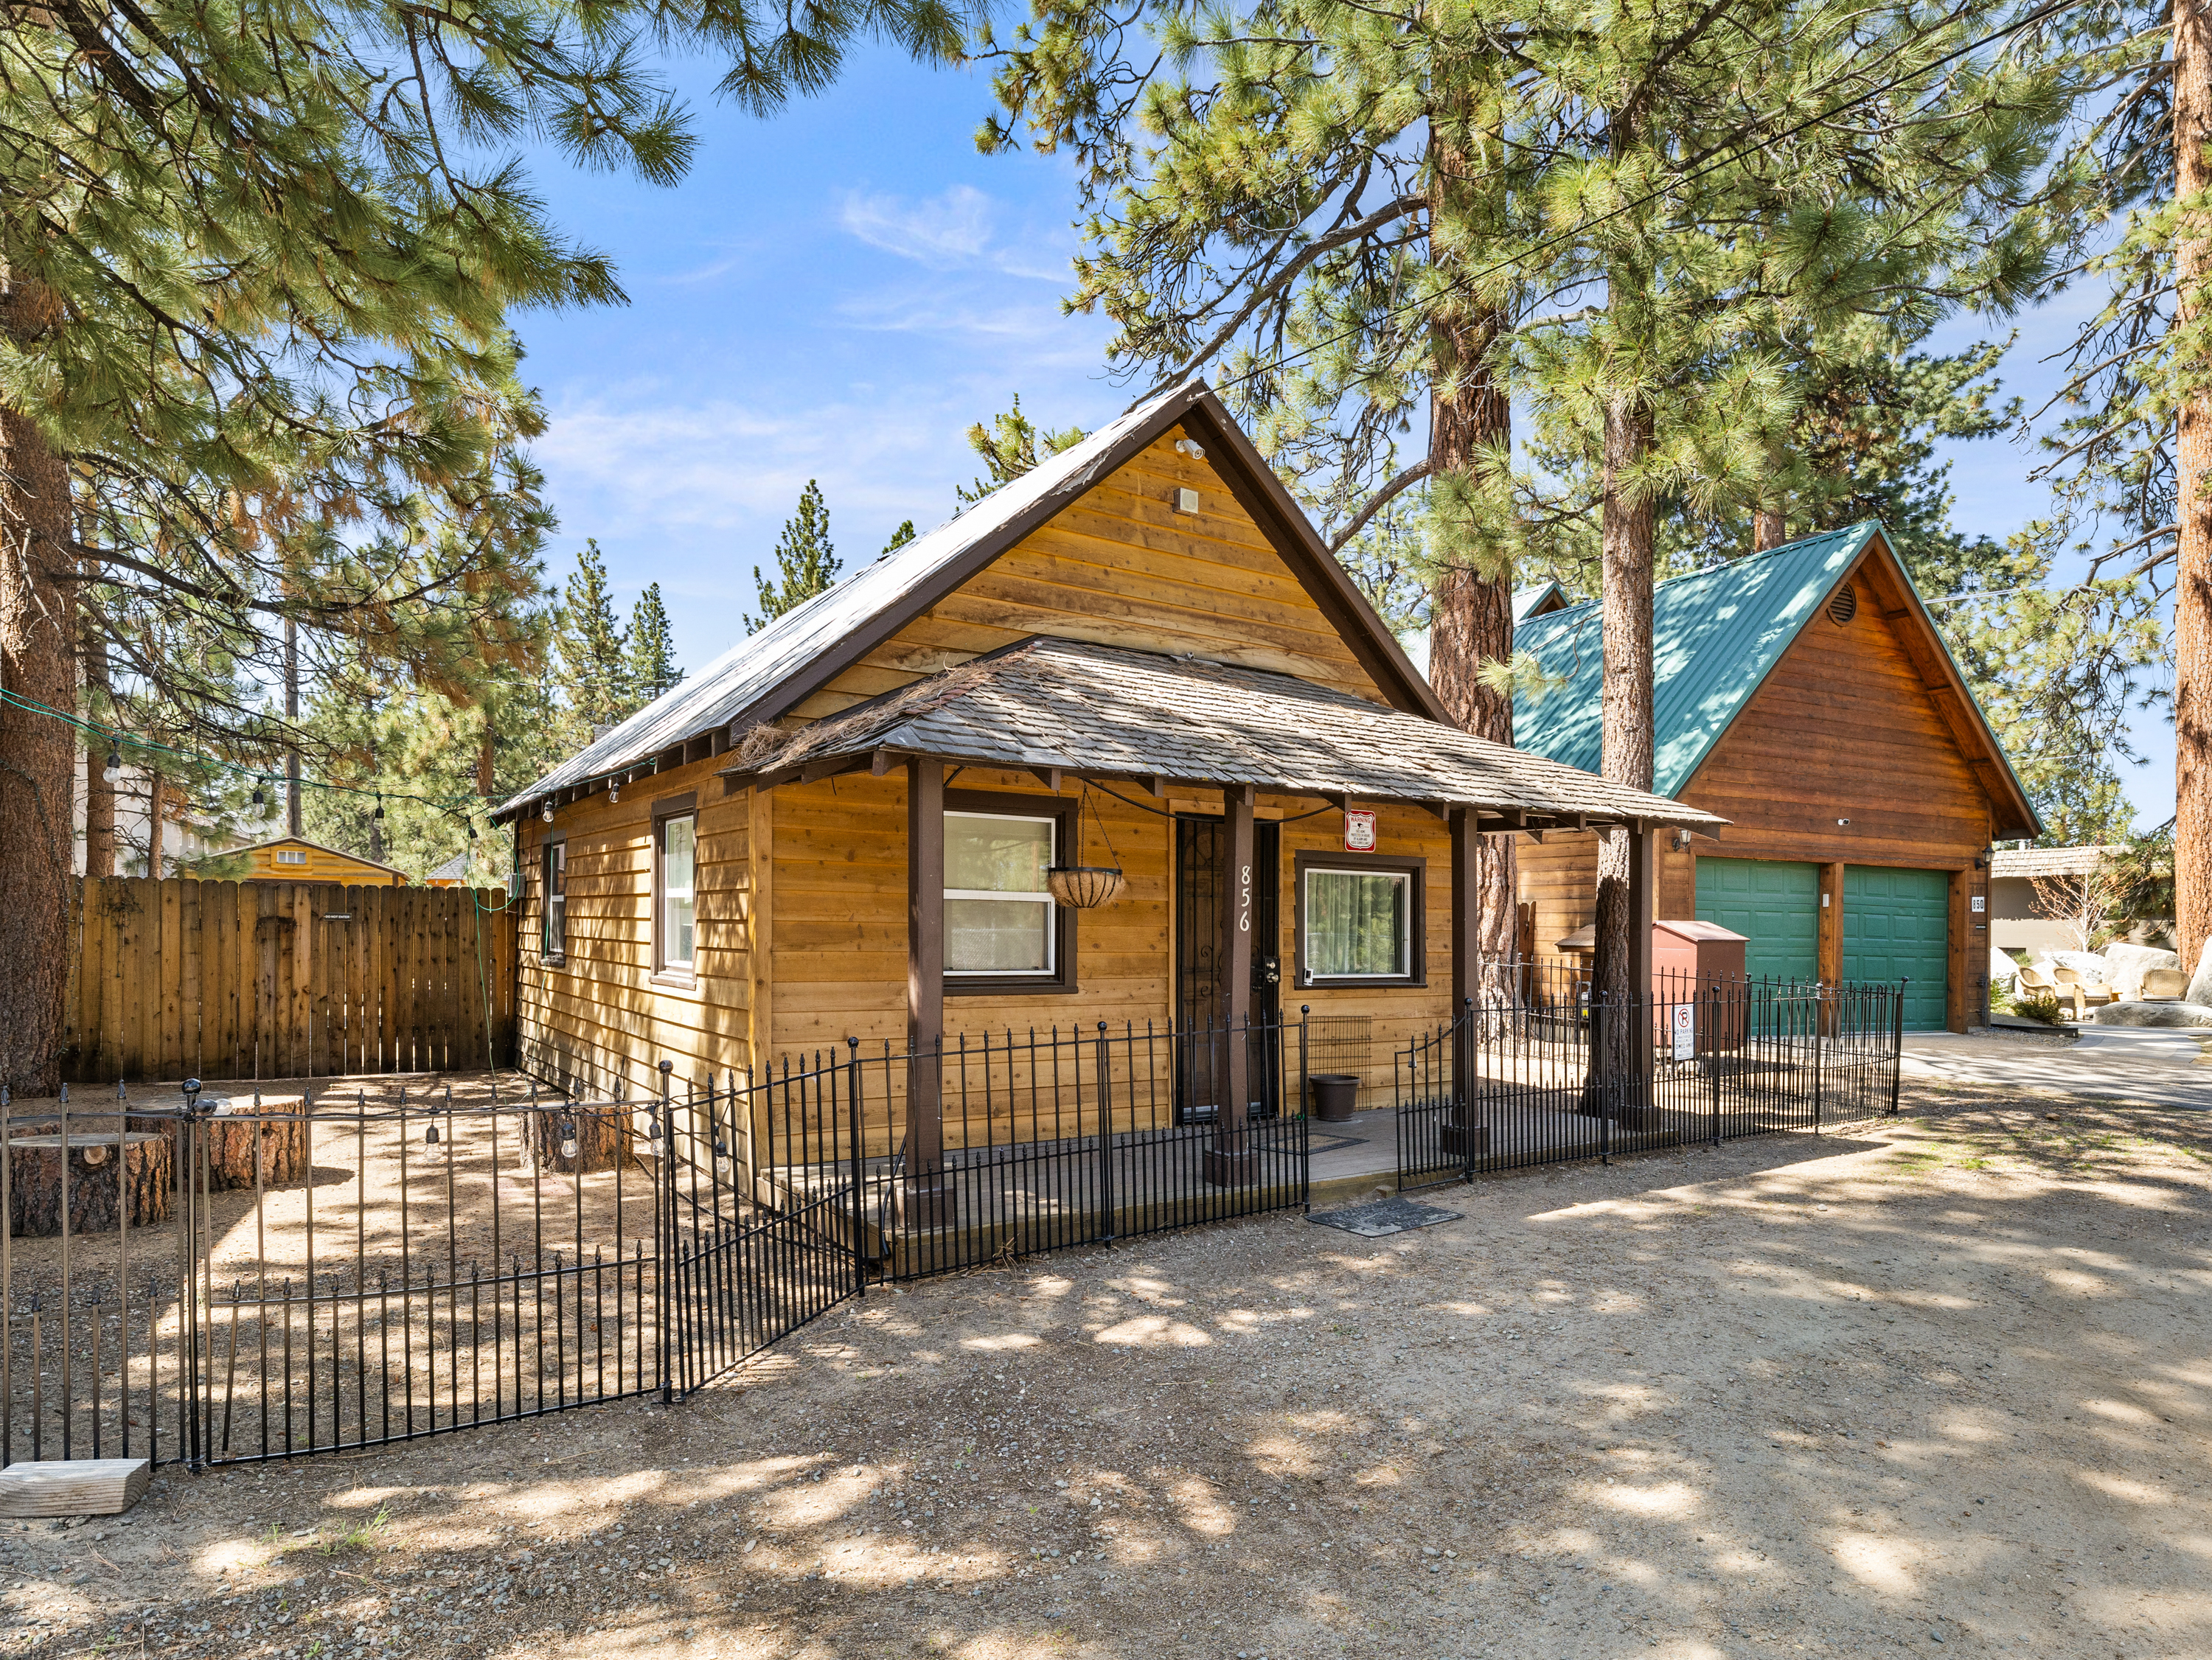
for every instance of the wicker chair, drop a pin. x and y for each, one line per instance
(2083, 992)
(2165, 985)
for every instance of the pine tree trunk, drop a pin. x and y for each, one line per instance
(1471, 609)
(98, 793)
(292, 722)
(37, 753)
(1766, 530)
(1627, 549)
(2192, 597)
(154, 821)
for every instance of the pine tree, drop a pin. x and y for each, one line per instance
(805, 562)
(649, 652)
(900, 538)
(590, 648)
(1010, 446)
(254, 293)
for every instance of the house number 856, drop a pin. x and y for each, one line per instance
(1244, 901)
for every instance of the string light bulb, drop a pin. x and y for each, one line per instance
(113, 770)
(259, 800)
(378, 812)
(614, 791)
(546, 812)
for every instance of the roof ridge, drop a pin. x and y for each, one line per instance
(1795, 544)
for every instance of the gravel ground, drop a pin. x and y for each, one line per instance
(1938, 1390)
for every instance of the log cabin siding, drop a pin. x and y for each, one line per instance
(600, 1018)
(1120, 567)
(1845, 727)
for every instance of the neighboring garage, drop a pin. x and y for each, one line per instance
(1896, 924)
(1804, 695)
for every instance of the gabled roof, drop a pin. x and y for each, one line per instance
(1716, 634)
(2030, 862)
(1050, 705)
(312, 846)
(762, 677)
(1538, 600)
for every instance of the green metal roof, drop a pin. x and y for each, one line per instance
(1715, 634)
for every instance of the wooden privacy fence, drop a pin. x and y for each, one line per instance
(176, 978)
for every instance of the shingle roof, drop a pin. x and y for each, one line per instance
(2049, 861)
(1102, 709)
(1715, 634)
(755, 680)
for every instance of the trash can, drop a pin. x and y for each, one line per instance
(1335, 1095)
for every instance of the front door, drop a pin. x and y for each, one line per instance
(1200, 1005)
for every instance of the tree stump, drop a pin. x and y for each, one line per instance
(146, 1171)
(601, 1135)
(229, 1131)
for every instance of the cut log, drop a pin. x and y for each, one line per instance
(73, 1487)
(146, 1170)
(600, 1138)
(230, 1131)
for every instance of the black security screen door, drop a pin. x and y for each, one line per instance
(1198, 1003)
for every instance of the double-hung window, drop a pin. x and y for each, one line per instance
(676, 837)
(1359, 921)
(1000, 920)
(553, 918)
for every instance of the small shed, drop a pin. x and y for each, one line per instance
(295, 858)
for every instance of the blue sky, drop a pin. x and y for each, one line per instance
(836, 294)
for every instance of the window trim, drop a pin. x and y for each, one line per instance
(1417, 951)
(681, 975)
(1062, 981)
(556, 839)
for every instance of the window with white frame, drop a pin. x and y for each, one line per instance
(998, 918)
(1359, 925)
(678, 861)
(553, 923)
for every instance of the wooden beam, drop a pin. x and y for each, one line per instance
(924, 1196)
(1047, 776)
(880, 764)
(1828, 961)
(1157, 785)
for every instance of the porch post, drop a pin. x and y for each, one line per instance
(924, 1196)
(1228, 1160)
(1467, 972)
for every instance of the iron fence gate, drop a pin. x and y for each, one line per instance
(1536, 1069)
(225, 1281)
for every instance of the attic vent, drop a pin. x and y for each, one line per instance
(1845, 606)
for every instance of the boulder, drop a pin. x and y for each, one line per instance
(2153, 1015)
(2087, 964)
(2003, 971)
(2200, 983)
(2126, 964)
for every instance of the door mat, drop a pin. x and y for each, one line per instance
(1322, 1141)
(1381, 1217)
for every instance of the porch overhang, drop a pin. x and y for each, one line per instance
(1060, 709)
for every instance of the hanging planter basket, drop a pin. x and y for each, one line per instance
(1084, 887)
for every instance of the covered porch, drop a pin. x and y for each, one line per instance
(1249, 777)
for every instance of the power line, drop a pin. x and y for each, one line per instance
(1581, 226)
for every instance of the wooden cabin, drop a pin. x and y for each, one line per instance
(295, 858)
(1138, 656)
(1804, 695)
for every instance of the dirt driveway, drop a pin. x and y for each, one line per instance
(1942, 1390)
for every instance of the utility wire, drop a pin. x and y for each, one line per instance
(1575, 230)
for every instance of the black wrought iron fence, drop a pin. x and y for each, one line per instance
(1537, 1069)
(1002, 1144)
(221, 1280)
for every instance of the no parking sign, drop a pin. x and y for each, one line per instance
(1686, 1031)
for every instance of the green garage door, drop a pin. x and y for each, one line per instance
(1897, 926)
(1776, 907)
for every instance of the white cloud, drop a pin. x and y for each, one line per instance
(942, 232)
